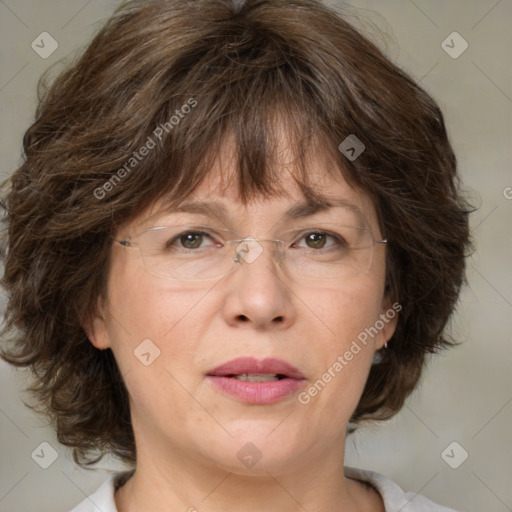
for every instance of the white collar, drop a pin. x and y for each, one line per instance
(394, 498)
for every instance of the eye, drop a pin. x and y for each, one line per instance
(318, 239)
(188, 240)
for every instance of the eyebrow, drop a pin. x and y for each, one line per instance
(297, 211)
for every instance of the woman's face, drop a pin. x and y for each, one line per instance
(168, 337)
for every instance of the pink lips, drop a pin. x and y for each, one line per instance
(223, 378)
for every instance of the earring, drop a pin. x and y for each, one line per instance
(386, 344)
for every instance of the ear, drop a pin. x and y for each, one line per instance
(96, 327)
(389, 317)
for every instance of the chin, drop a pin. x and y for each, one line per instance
(258, 449)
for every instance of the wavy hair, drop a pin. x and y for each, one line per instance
(245, 65)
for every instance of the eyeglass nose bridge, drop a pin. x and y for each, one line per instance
(248, 249)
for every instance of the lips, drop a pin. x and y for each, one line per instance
(256, 381)
(252, 366)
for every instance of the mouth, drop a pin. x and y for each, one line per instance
(254, 381)
(258, 377)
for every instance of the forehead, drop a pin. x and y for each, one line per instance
(217, 200)
(218, 194)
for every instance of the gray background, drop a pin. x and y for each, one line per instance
(466, 395)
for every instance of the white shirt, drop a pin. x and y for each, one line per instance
(394, 498)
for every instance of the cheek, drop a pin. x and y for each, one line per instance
(349, 308)
(345, 350)
(354, 317)
(143, 307)
(152, 335)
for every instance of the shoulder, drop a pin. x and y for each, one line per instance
(103, 497)
(393, 496)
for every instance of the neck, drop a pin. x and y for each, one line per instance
(181, 482)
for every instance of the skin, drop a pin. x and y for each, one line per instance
(187, 433)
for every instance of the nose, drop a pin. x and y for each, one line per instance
(258, 295)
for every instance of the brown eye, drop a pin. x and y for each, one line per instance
(316, 240)
(187, 240)
(191, 240)
(319, 240)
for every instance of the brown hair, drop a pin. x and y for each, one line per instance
(239, 66)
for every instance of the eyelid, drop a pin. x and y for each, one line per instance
(298, 234)
(320, 226)
(230, 235)
(191, 228)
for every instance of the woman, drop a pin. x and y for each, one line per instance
(236, 236)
